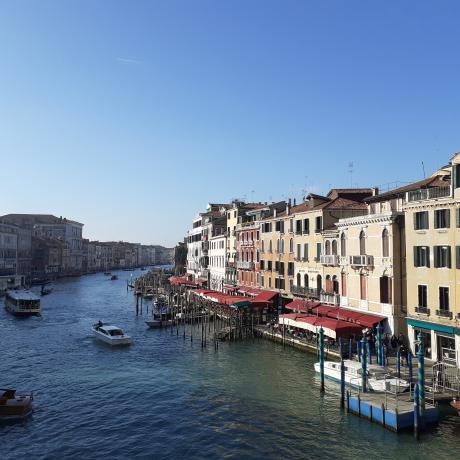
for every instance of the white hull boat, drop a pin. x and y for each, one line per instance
(22, 303)
(111, 335)
(378, 378)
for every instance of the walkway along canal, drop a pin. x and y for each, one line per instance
(170, 397)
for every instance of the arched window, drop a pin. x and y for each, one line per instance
(328, 284)
(335, 285)
(334, 247)
(362, 243)
(299, 280)
(343, 245)
(327, 248)
(305, 280)
(385, 243)
(319, 282)
(291, 246)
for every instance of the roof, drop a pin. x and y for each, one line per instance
(23, 295)
(433, 181)
(32, 219)
(110, 328)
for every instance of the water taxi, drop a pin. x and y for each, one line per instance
(378, 378)
(13, 406)
(113, 278)
(111, 334)
(22, 303)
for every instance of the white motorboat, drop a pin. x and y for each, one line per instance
(378, 378)
(22, 303)
(112, 335)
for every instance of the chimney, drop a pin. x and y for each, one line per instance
(274, 212)
(288, 203)
(294, 201)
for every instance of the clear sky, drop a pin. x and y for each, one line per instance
(130, 116)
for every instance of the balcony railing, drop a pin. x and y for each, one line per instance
(329, 260)
(428, 193)
(444, 313)
(245, 265)
(247, 243)
(361, 261)
(422, 310)
(331, 299)
(305, 291)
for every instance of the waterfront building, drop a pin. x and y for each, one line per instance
(432, 215)
(217, 258)
(198, 240)
(368, 251)
(8, 250)
(50, 257)
(248, 249)
(49, 226)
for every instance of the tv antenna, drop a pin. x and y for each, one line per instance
(350, 170)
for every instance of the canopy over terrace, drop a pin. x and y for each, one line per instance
(177, 281)
(356, 317)
(332, 328)
(302, 306)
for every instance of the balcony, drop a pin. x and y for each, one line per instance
(330, 299)
(329, 260)
(305, 291)
(431, 193)
(247, 243)
(245, 265)
(444, 313)
(422, 310)
(361, 261)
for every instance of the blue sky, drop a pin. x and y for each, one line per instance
(130, 116)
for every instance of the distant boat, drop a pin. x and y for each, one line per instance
(45, 291)
(456, 405)
(13, 406)
(107, 273)
(22, 303)
(113, 277)
(128, 269)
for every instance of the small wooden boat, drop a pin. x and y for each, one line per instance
(13, 406)
(112, 335)
(113, 277)
(455, 403)
(45, 291)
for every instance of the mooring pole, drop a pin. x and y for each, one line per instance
(363, 365)
(379, 345)
(321, 358)
(342, 375)
(369, 351)
(409, 361)
(350, 348)
(416, 414)
(421, 377)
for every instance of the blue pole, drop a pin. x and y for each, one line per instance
(342, 383)
(363, 365)
(409, 360)
(321, 358)
(340, 348)
(416, 413)
(421, 376)
(398, 363)
(350, 349)
(369, 353)
(379, 344)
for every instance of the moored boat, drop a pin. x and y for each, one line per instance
(112, 335)
(14, 406)
(455, 403)
(113, 277)
(378, 378)
(22, 303)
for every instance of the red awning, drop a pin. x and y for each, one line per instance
(357, 317)
(369, 320)
(297, 305)
(265, 296)
(323, 310)
(177, 281)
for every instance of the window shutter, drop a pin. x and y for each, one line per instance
(415, 221)
(457, 213)
(448, 218)
(427, 256)
(448, 257)
(436, 256)
(415, 256)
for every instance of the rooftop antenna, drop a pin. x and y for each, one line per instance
(350, 170)
(423, 169)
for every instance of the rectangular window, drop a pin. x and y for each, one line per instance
(318, 251)
(444, 298)
(344, 284)
(442, 218)
(270, 265)
(262, 264)
(290, 268)
(318, 224)
(442, 256)
(422, 296)
(262, 281)
(457, 257)
(421, 256)
(421, 220)
(306, 226)
(299, 251)
(305, 251)
(298, 226)
(291, 225)
(269, 282)
(457, 214)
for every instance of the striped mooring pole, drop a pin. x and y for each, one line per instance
(363, 365)
(321, 359)
(421, 376)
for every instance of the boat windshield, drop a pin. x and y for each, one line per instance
(115, 332)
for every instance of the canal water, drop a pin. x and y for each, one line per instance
(165, 398)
